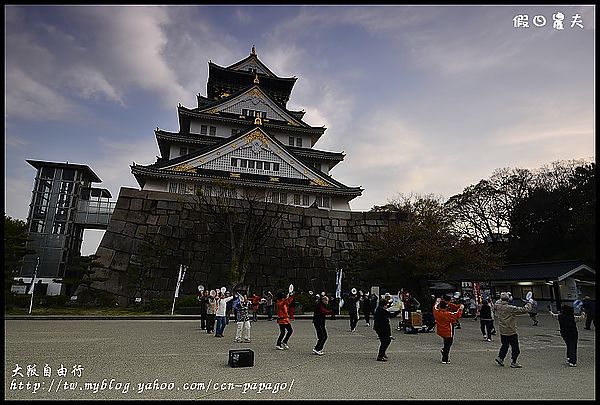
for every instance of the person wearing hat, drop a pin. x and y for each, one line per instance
(381, 325)
(445, 315)
(505, 314)
(568, 330)
(211, 308)
(319, 315)
(351, 301)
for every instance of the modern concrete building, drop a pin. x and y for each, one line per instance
(63, 205)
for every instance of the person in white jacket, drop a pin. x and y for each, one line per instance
(220, 314)
(505, 314)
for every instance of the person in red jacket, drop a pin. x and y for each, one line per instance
(283, 319)
(319, 315)
(254, 304)
(446, 313)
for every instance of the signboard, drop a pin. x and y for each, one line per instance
(477, 292)
(19, 288)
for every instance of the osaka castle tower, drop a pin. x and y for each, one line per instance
(242, 133)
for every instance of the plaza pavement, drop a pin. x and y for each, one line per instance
(150, 354)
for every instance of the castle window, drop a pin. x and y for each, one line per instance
(275, 167)
(234, 162)
(58, 227)
(296, 199)
(203, 129)
(291, 141)
(213, 131)
(259, 165)
(298, 141)
(244, 163)
(282, 198)
(305, 200)
(323, 201)
(68, 174)
(244, 112)
(267, 165)
(251, 164)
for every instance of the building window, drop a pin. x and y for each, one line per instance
(305, 200)
(234, 162)
(37, 226)
(58, 228)
(178, 188)
(296, 199)
(282, 198)
(47, 173)
(267, 165)
(68, 174)
(213, 131)
(323, 201)
(243, 163)
(259, 165)
(183, 151)
(291, 141)
(251, 164)
(44, 186)
(66, 187)
(275, 167)
(244, 112)
(61, 214)
(298, 141)
(203, 129)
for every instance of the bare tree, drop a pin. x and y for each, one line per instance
(246, 220)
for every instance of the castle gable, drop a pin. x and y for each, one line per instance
(255, 102)
(254, 152)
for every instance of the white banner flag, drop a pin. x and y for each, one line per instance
(338, 288)
(180, 278)
(34, 279)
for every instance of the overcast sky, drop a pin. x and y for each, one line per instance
(422, 99)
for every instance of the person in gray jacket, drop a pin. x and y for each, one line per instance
(505, 314)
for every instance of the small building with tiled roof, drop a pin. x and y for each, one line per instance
(243, 132)
(550, 282)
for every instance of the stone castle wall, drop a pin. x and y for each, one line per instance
(305, 249)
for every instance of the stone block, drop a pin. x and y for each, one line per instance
(122, 203)
(136, 204)
(173, 220)
(115, 226)
(119, 215)
(120, 261)
(163, 219)
(129, 229)
(316, 222)
(165, 230)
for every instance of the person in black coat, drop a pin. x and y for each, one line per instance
(589, 307)
(381, 321)
(568, 330)
(366, 308)
(485, 320)
(319, 315)
(351, 300)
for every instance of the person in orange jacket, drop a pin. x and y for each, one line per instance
(446, 313)
(283, 319)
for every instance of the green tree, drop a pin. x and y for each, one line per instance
(423, 245)
(557, 220)
(15, 240)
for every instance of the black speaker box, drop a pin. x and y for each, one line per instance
(241, 358)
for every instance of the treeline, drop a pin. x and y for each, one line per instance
(514, 216)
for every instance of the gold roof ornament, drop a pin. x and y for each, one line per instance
(253, 51)
(257, 121)
(256, 81)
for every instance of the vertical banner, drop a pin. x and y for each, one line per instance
(338, 288)
(32, 286)
(180, 278)
(477, 292)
